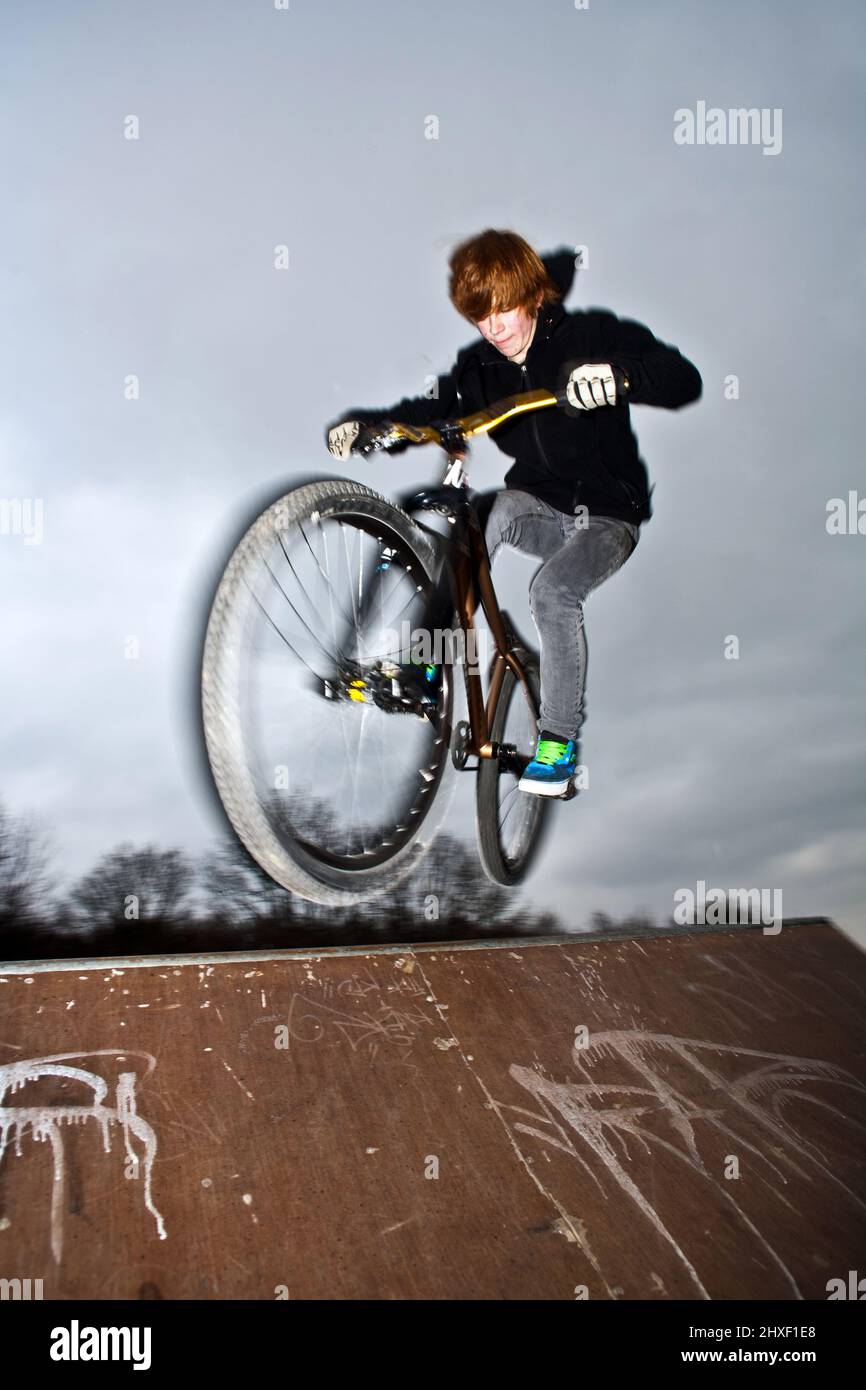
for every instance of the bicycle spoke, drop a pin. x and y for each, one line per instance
(296, 576)
(314, 635)
(512, 800)
(348, 572)
(318, 524)
(512, 818)
(281, 634)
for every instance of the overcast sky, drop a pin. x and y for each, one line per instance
(260, 126)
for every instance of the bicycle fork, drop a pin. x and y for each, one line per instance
(473, 562)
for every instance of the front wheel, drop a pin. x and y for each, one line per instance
(327, 751)
(511, 823)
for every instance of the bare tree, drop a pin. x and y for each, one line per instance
(235, 888)
(602, 921)
(128, 885)
(25, 896)
(448, 891)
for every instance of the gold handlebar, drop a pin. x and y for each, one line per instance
(482, 421)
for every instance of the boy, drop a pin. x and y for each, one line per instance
(577, 491)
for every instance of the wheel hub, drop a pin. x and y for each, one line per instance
(384, 684)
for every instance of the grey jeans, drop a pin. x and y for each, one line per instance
(575, 560)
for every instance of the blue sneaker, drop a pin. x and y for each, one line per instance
(425, 678)
(553, 766)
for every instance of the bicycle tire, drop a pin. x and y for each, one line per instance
(284, 857)
(498, 864)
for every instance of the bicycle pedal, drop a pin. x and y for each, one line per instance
(459, 741)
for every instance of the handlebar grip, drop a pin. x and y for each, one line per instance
(371, 438)
(362, 443)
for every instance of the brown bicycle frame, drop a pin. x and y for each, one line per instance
(473, 584)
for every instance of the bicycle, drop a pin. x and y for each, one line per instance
(345, 832)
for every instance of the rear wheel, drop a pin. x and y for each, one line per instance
(511, 823)
(327, 756)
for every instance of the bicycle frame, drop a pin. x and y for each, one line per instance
(471, 584)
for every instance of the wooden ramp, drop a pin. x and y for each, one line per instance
(669, 1117)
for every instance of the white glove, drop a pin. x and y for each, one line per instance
(342, 437)
(591, 385)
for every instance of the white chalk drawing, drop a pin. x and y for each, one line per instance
(749, 996)
(43, 1123)
(379, 1023)
(604, 1114)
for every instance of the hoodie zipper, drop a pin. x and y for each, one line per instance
(534, 414)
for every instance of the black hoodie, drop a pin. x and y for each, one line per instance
(566, 456)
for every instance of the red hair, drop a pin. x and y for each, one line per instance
(497, 270)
